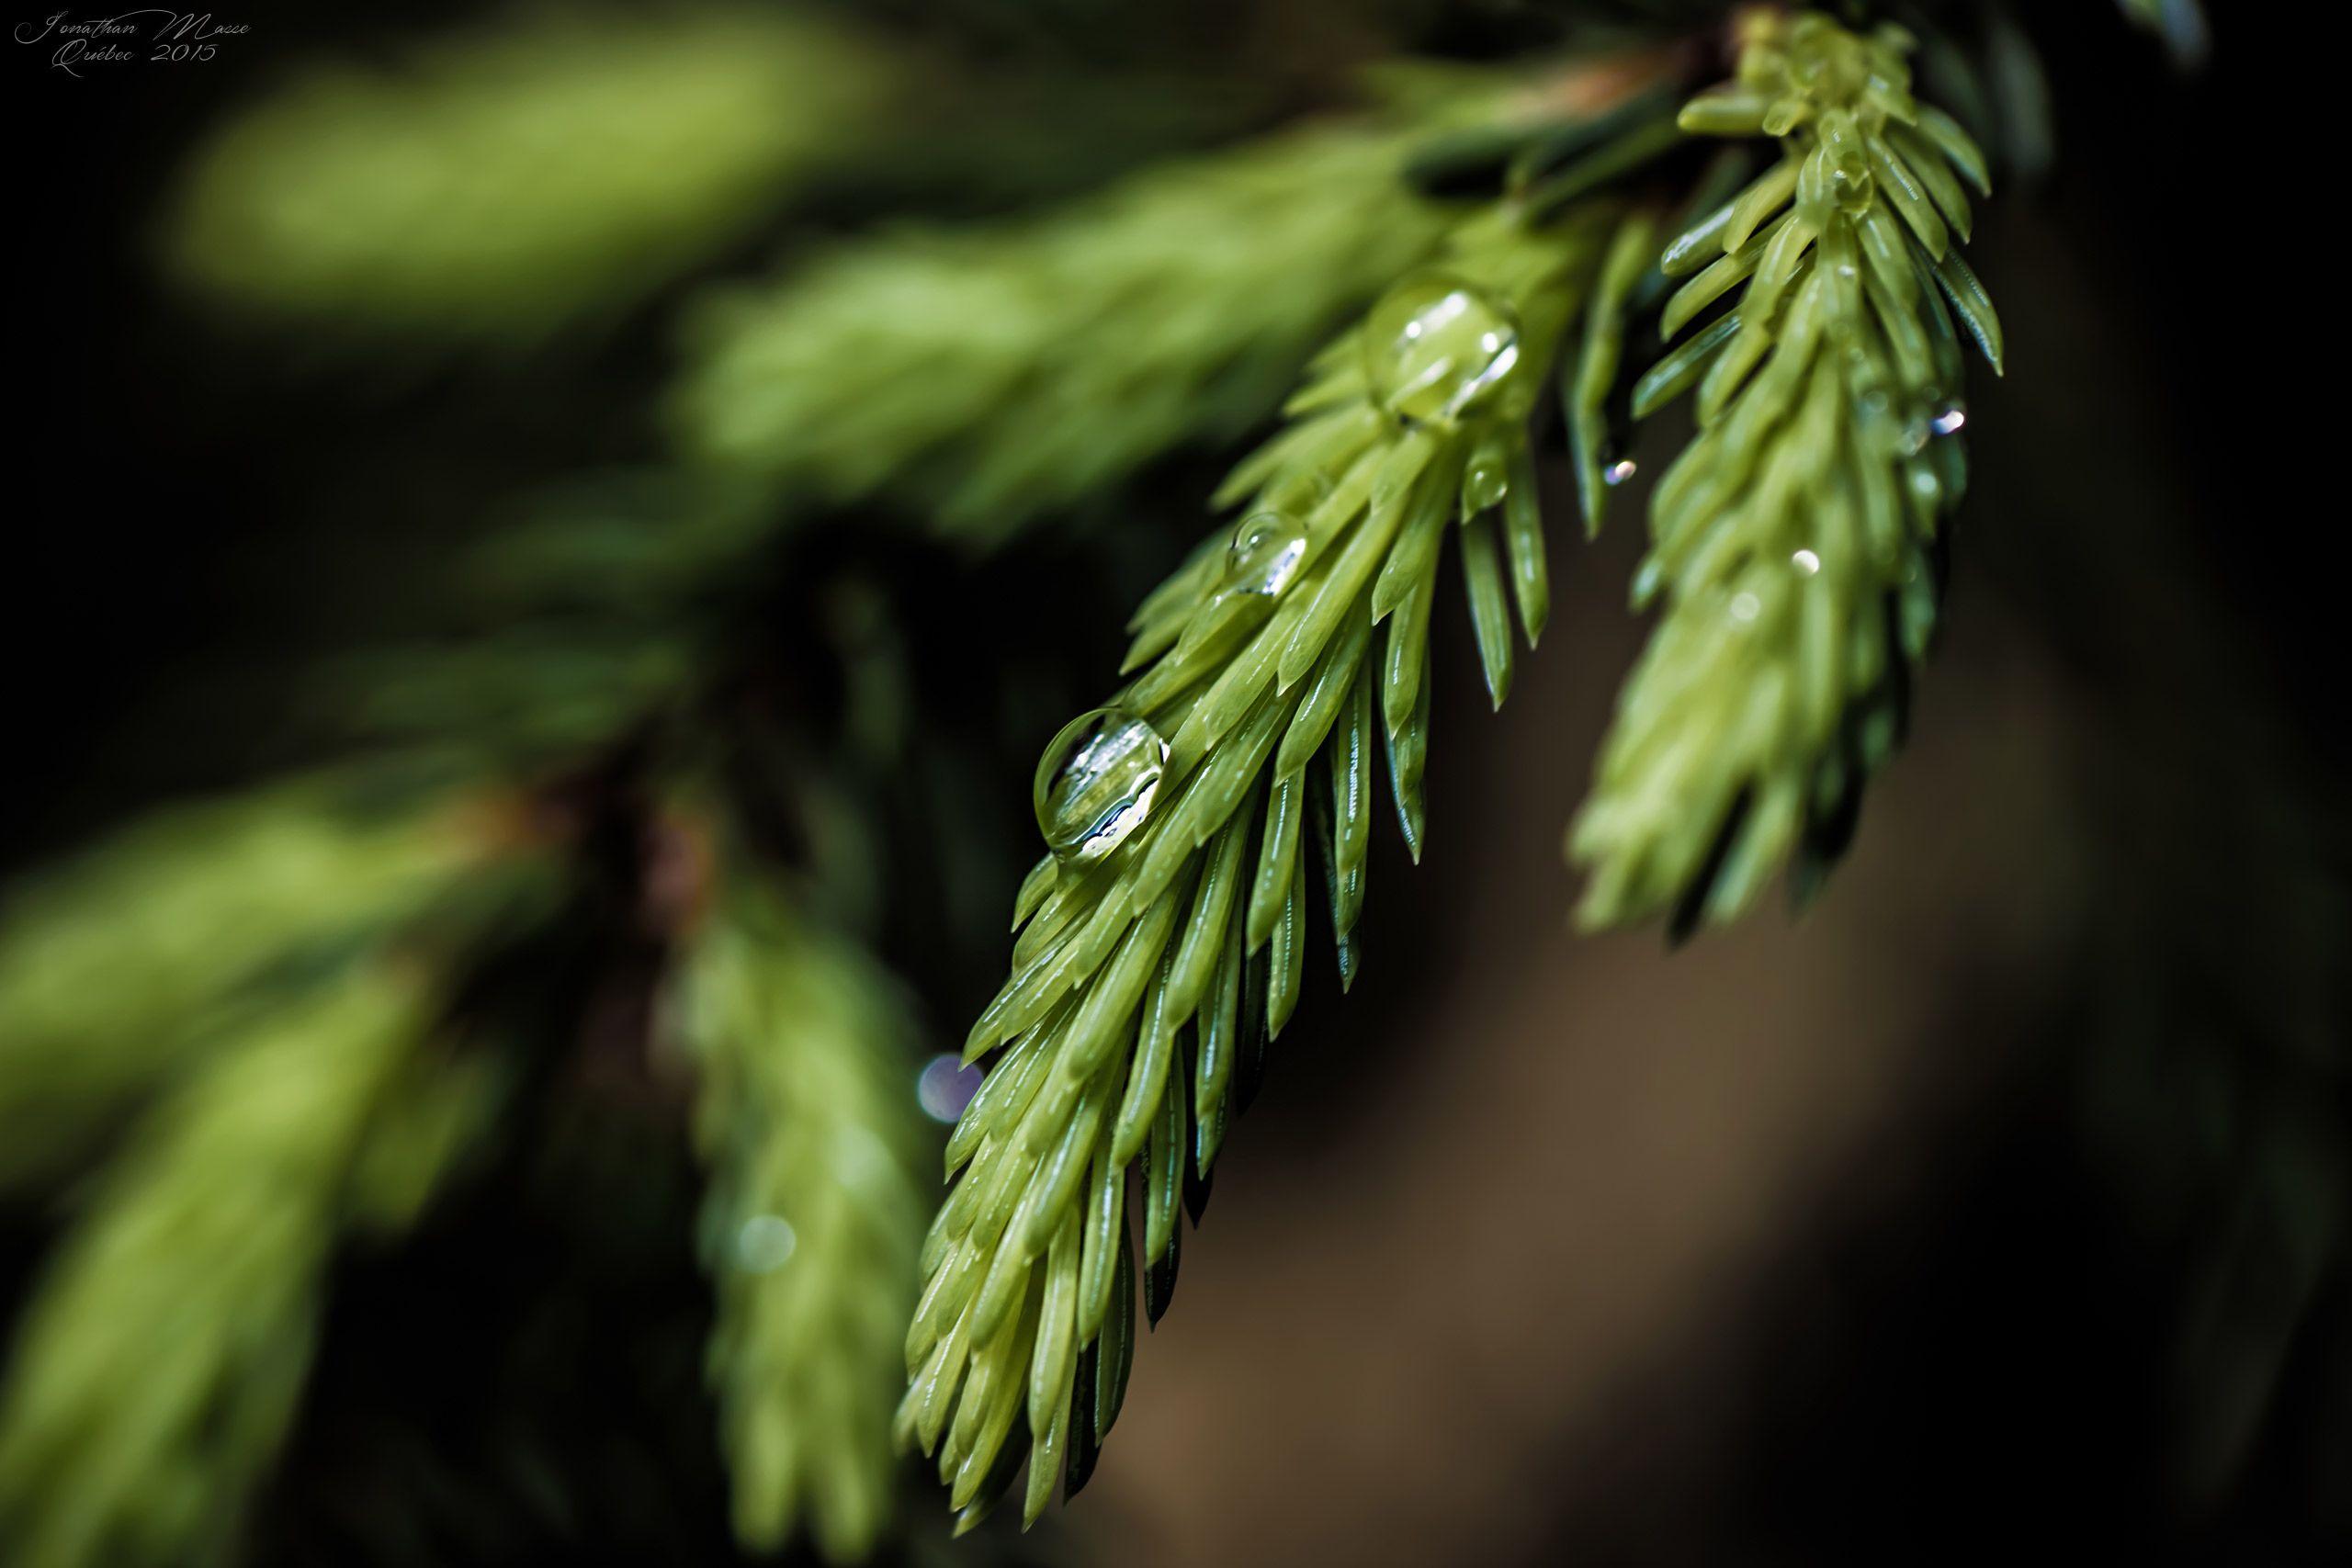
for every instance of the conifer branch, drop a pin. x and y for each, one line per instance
(1796, 544)
(109, 966)
(1162, 943)
(159, 1365)
(814, 1211)
(993, 378)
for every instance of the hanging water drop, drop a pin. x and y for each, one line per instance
(1807, 563)
(1436, 345)
(1486, 482)
(1268, 549)
(1949, 419)
(1621, 470)
(1096, 782)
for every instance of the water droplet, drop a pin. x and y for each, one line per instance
(1096, 782)
(945, 1086)
(1744, 607)
(1265, 554)
(1485, 480)
(1435, 345)
(1949, 419)
(1806, 562)
(1621, 470)
(1851, 185)
(766, 1244)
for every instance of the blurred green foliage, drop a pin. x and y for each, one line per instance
(803, 1052)
(987, 377)
(156, 1371)
(112, 965)
(534, 175)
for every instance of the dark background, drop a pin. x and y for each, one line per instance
(1966, 1337)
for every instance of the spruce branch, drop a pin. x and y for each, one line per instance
(508, 183)
(995, 377)
(1161, 944)
(159, 1365)
(1795, 541)
(110, 964)
(814, 1214)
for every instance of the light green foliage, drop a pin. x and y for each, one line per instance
(807, 1117)
(1146, 979)
(108, 965)
(510, 181)
(1792, 542)
(993, 376)
(159, 1365)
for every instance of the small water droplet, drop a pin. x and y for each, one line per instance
(945, 1086)
(1851, 185)
(1949, 419)
(764, 1244)
(1744, 607)
(1096, 782)
(1621, 470)
(1485, 480)
(1806, 562)
(1265, 554)
(1435, 345)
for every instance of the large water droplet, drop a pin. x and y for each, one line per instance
(1436, 345)
(1096, 782)
(1949, 419)
(1266, 552)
